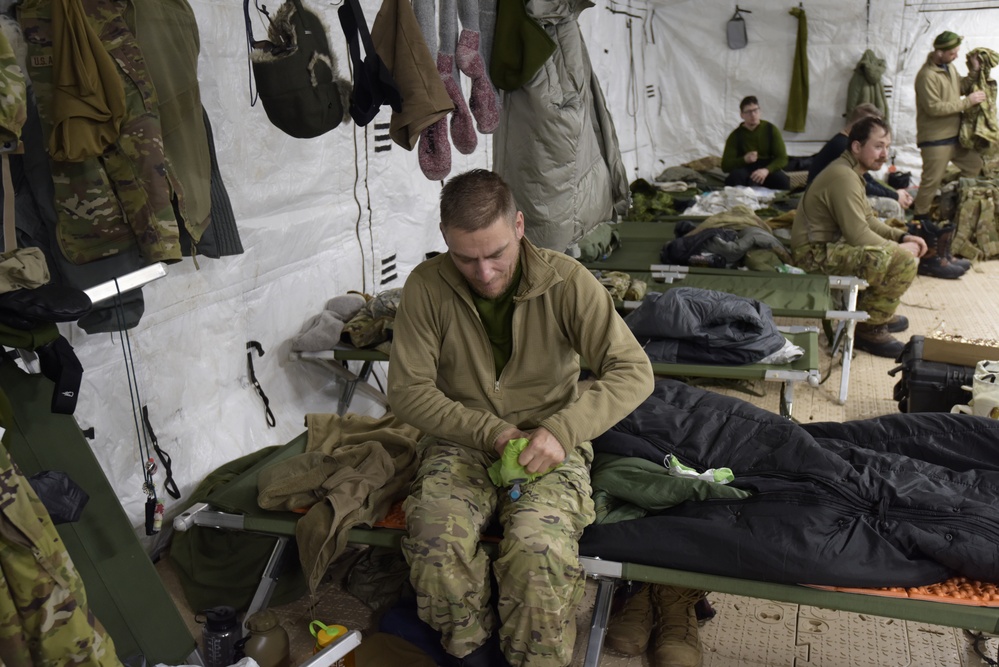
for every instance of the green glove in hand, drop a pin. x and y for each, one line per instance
(508, 472)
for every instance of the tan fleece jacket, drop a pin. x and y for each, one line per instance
(834, 209)
(442, 378)
(938, 101)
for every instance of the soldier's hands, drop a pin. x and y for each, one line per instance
(506, 436)
(759, 176)
(914, 244)
(750, 157)
(543, 452)
(976, 97)
(904, 198)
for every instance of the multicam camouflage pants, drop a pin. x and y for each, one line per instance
(537, 570)
(44, 617)
(889, 270)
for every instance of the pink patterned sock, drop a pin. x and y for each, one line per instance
(434, 151)
(484, 105)
(467, 55)
(462, 131)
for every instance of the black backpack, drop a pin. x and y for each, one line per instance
(296, 72)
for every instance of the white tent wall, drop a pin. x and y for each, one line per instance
(319, 217)
(350, 210)
(675, 93)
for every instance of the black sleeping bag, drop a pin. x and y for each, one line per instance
(689, 325)
(901, 500)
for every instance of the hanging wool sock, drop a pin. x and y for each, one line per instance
(483, 100)
(462, 130)
(426, 18)
(434, 151)
(487, 33)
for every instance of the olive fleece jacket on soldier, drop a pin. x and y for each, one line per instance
(442, 378)
(938, 101)
(766, 140)
(835, 209)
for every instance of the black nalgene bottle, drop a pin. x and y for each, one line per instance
(219, 635)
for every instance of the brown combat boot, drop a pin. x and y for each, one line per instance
(897, 323)
(935, 262)
(875, 339)
(676, 643)
(628, 631)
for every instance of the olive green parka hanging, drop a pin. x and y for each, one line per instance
(797, 98)
(865, 84)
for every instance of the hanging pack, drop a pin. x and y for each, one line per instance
(373, 82)
(736, 29)
(296, 72)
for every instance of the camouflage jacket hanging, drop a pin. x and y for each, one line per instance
(979, 128)
(105, 203)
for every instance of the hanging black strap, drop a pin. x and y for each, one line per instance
(373, 82)
(250, 347)
(168, 483)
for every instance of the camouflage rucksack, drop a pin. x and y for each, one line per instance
(977, 234)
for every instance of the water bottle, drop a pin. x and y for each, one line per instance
(219, 635)
(268, 642)
(326, 635)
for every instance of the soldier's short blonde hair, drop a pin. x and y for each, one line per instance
(476, 199)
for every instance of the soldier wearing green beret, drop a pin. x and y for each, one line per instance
(939, 105)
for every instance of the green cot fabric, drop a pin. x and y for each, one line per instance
(44, 615)
(218, 567)
(797, 99)
(124, 590)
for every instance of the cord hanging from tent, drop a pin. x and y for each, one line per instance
(154, 508)
(250, 347)
(168, 482)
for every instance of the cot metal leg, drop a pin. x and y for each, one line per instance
(599, 621)
(844, 383)
(268, 581)
(849, 329)
(786, 399)
(350, 386)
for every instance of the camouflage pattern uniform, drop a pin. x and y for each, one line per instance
(110, 202)
(44, 617)
(13, 98)
(886, 207)
(537, 571)
(889, 270)
(372, 325)
(977, 234)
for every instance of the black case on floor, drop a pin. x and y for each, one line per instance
(929, 386)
